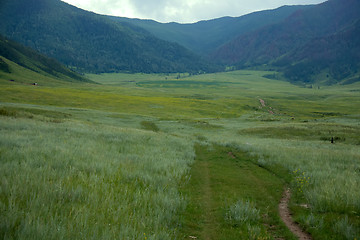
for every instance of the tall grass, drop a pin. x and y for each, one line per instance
(74, 181)
(242, 212)
(328, 182)
(110, 167)
(332, 170)
(324, 177)
(244, 215)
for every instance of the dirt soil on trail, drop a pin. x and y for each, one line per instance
(286, 217)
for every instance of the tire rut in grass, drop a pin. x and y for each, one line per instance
(220, 178)
(208, 205)
(199, 218)
(287, 219)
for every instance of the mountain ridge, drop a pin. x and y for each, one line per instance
(335, 52)
(274, 45)
(305, 42)
(205, 36)
(90, 42)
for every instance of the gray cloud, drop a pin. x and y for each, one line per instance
(181, 10)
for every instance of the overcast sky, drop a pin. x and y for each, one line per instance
(184, 11)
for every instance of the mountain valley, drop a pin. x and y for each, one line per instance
(232, 128)
(290, 40)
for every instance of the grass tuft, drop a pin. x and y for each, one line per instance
(151, 126)
(242, 212)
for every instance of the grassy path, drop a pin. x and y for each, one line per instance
(221, 177)
(286, 217)
(207, 198)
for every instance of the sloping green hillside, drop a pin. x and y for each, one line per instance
(89, 42)
(28, 66)
(309, 42)
(205, 37)
(336, 56)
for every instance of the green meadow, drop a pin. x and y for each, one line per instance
(173, 156)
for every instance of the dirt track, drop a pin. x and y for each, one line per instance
(287, 219)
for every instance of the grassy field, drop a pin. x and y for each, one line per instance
(136, 156)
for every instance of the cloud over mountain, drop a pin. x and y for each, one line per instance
(181, 10)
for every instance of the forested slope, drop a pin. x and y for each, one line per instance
(89, 42)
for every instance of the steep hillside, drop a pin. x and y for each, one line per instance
(291, 42)
(337, 55)
(206, 36)
(92, 43)
(33, 61)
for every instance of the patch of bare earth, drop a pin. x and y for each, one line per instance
(287, 219)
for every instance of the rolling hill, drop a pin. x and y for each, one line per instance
(89, 42)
